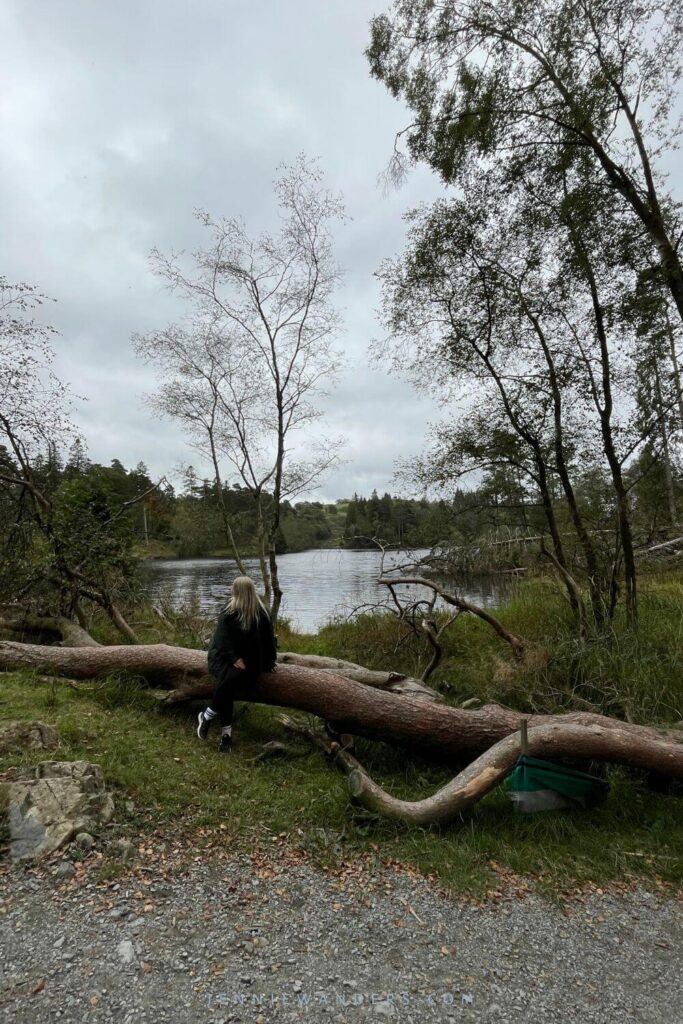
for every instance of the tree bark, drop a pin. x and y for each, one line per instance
(666, 451)
(605, 409)
(587, 547)
(116, 616)
(225, 517)
(676, 369)
(556, 740)
(69, 632)
(395, 682)
(436, 729)
(573, 588)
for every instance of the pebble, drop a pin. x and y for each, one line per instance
(85, 841)
(126, 951)
(64, 870)
(357, 942)
(119, 912)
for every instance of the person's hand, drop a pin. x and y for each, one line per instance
(239, 663)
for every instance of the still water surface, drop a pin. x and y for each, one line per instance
(317, 584)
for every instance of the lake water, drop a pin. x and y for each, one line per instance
(317, 584)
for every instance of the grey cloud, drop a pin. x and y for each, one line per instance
(118, 120)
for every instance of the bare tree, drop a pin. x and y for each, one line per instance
(205, 385)
(33, 402)
(243, 377)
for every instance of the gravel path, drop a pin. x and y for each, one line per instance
(250, 939)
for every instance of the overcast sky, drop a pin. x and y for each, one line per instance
(119, 119)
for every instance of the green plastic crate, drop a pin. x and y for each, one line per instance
(536, 785)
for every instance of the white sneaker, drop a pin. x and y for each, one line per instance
(204, 726)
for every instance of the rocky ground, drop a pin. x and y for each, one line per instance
(264, 938)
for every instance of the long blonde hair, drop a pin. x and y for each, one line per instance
(245, 601)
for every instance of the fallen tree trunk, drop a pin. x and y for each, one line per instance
(355, 708)
(558, 740)
(555, 740)
(395, 682)
(69, 632)
(160, 663)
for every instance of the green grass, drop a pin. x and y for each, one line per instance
(633, 675)
(152, 757)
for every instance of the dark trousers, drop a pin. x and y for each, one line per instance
(223, 701)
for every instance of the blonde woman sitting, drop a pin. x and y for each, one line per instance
(243, 645)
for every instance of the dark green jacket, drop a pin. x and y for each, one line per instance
(256, 646)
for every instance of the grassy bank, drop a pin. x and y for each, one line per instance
(634, 675)
(152, 757)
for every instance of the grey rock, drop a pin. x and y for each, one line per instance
(118, 912)
(126, 951)
(124, 849)
(85, 840)
(51, 803)
(65, 870)
(27, 736)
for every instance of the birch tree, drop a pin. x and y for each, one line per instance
(244, 375)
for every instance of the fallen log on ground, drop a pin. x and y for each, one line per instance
(67, 630)
(341, 751)
(185, 669)
(395, 682)
(71, 634)
(355, 708)
(558, 740)
(555, 740)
